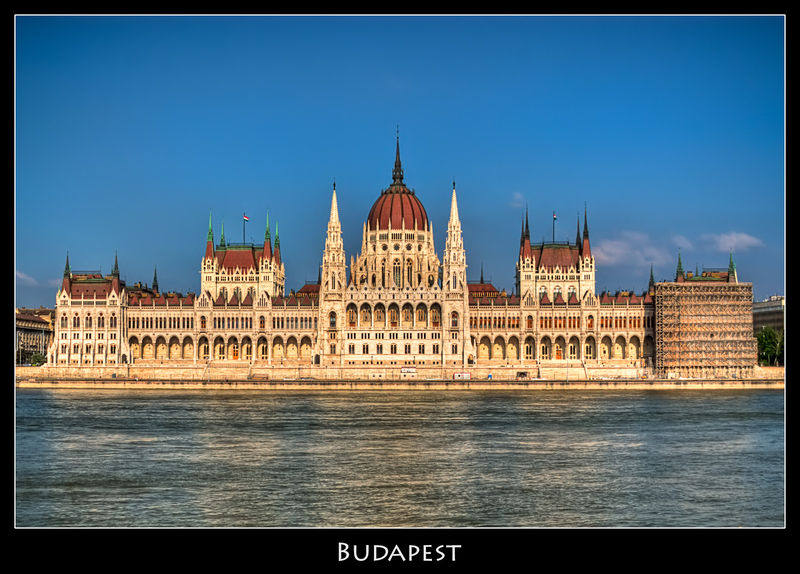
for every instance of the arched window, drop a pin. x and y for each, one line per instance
(542, 292)
(261, 322)
(76, 322)
(332, 318)
(529, 322)
(63, 321)
(202, 321)
(113, 321)
(454, 320)
(397, 278)
(101, 322)
(89, 322)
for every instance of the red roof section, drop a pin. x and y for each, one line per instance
(550, 256)
(398, 205)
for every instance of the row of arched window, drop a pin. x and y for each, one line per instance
(87, 322)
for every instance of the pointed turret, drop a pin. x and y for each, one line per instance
(679, 275)
(454, 261)
(651, 286)
(222, 235)
(267, 242)
(276, 256)
(527, 227)
(732, 275)
(115, 275)
(397, 172)
(155, 279)
(209, 240)
(65, 282)
(586, 250)
(333, 270)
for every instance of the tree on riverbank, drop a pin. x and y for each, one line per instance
(770, 346)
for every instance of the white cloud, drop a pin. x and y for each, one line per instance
(26, 280)
(631, 249)
(682, 242)
(732, 241)
(518, 200)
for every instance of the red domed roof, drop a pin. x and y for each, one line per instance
(397, 205)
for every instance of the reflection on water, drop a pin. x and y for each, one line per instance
(409, 459)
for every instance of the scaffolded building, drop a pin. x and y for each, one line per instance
(704, 325)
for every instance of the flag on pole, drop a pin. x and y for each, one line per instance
(245, 217)
(554, 216)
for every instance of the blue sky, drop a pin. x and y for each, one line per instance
(131, 130)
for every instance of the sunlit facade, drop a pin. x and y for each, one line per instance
(397, 303)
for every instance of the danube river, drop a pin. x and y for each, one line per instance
(555, 458)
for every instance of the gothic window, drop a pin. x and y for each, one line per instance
(351, 317)
(261, 322)
(409, 272)
(332, 318)
(542, 292)
(435, 317)
(63, 321)
(397, 277)
(529, 322)
(406, 315)
(454, 320)
(393, 316)
(590, 322)
(570, 292)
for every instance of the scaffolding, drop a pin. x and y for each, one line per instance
(704, 329)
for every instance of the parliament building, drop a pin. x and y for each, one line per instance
(400, 309)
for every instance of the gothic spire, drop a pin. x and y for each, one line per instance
(397, 172)
(115, 270)
(679, 270)
(652, 284)
(210, 236)
(155, 279)
(67, 268)
(527, 228)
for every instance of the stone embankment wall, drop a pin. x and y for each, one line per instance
(222, 375)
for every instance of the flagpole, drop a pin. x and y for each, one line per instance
(244, 220)
(554, 227)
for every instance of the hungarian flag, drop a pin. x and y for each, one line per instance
(245, 217)
(554, 216)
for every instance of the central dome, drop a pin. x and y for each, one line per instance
(397, 205)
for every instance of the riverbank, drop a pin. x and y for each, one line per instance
(163, 377)
(652, 384)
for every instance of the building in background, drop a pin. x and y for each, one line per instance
(770, 312)
(34, 333)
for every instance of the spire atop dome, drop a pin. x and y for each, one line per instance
(397, 172)
(115, 270)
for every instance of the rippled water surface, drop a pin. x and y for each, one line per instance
(111, 458)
